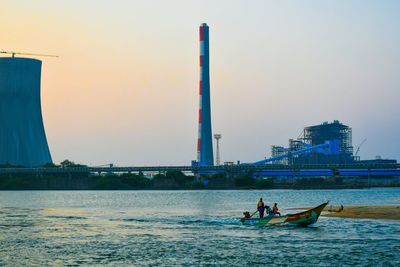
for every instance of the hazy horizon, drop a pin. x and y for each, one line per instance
(125, 88)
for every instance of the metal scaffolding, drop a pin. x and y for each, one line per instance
(319, 134)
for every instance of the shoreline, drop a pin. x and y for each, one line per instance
(175, 180)
(198, 189)
(390, 212)
(378, 212)
(56, 188)
(116, 183)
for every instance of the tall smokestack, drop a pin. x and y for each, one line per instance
(204, 142)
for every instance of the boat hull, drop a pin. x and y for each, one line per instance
(301, 219)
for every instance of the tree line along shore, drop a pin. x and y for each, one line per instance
(170, 180)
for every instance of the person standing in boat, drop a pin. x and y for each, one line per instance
(275, 209)
(260, 207)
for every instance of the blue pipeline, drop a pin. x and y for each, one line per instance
(294, 173)
(330, 148)
(326, 172)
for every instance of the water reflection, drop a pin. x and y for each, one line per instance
(185, 228)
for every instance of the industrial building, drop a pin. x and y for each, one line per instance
(277, 151)
(341, 148)
(319, 134)
(22, 136)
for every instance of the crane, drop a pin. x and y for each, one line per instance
(27, 54)
(359, 146)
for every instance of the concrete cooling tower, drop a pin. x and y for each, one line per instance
(22, 136)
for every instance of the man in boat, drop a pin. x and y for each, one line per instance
(260, 207)
(275, 209)
(268, 210)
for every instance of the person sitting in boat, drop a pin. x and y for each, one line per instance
(268, 211)
(260, 207)
(275, 209)
(246, 215)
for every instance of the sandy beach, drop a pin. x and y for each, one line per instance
(367, 212)
(390, 212)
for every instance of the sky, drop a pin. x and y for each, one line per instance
(125, 87)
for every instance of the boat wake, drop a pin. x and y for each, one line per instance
(184, 221)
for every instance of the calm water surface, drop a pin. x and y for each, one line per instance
(187, 228)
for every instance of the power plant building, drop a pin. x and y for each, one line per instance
(279, 151)
(22, 135)
(319, 134)
(335, 133)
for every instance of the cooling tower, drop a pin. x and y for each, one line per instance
(22, 136)
(204, 142)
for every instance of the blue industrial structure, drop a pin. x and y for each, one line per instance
(22, 136)
(330, 147)
(205, 155)
(315, 135)
(318, 134)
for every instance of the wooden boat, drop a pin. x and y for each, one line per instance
(301, 219)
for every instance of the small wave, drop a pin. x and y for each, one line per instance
(17, 215)
(66, 217)
(17, 225)
(227, 221)
(137, 220)
(133, 220)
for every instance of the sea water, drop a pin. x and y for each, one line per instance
(190, 228)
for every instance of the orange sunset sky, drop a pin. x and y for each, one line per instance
(125, 87)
